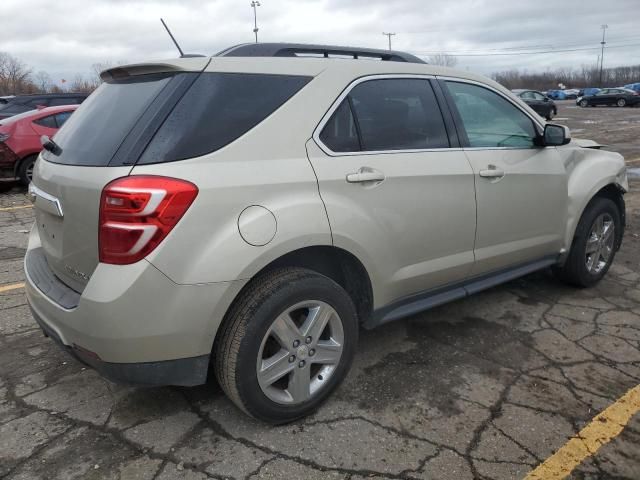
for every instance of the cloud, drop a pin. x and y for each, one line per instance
(67, 37)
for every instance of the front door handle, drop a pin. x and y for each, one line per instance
(492, 172)
(365, 175)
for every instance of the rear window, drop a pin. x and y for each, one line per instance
(98, 127)
(218, 109)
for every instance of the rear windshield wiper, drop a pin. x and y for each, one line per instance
(50, 145)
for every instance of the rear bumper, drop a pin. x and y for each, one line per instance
(131, 323)
(183, 371)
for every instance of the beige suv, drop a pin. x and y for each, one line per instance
(247, 213)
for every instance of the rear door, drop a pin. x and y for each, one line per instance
(521, 189)
(398, 194)
(67, 187)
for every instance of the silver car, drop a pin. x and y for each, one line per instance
(245, 214)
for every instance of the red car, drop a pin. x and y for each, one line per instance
(20, 139)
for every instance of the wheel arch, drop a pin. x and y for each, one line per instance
(607, 189)
(336, 263)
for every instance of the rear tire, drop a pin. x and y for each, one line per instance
(593, 249)
(271, 325)
(25, 169)
(621, 102)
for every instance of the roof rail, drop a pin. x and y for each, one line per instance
(301, 49)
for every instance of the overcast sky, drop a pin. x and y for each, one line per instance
(66, 37)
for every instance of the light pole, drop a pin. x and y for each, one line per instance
(389, 35)
(255, 5)
(604, 29)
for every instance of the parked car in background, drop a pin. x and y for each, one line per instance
(20, 139)
(622, 97)
(25, 103)
(633, 86)
(588, 91)
(571, 93)
(245, 214)
(5, 99)
(557, 94)
(541, 104)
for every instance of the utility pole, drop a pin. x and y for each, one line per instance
(604, 29)
(255, 5)
(389, 35)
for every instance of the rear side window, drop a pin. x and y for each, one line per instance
(94, 132)
(49, 121)
(216, 110)
(62, 117)
(389, 114)
(340, 133)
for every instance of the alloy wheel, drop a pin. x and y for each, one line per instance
(600, 241)
(300, 352)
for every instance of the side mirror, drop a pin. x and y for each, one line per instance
(556, 135)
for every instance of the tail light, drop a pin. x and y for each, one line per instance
(137, 213)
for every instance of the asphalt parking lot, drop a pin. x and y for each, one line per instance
(487, 387)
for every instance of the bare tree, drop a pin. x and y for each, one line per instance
(83, 85)
(14, 75)
(443, 59)
(43, 81)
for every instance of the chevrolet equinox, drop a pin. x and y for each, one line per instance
(245, 214)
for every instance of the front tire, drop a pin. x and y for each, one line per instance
(286, 344)
(594, 245)
(583, 103)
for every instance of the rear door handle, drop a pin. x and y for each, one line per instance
(492, 172)
(365, 175)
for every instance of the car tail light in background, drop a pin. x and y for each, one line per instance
(137, 213)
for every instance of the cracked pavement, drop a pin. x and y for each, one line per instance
(486, 387)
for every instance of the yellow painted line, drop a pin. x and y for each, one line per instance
(12, 286)
(8, 209)
(601, 430)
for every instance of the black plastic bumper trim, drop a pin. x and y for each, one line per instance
(186, 372)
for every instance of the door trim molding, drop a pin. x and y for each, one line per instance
(428, 299)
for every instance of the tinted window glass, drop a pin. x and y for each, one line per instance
(489, 119)
(538, 96)
(54, 102)
(94, 132)
(398, 114)
(38, 102)
(217, 109)
(49, 122)
(14, 108)
(340, 134)
(527, 95)
(62, 117)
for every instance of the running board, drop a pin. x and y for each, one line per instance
(432, 298)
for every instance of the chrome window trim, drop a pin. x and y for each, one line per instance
(343, 95)
(34, 193)
(357, 81)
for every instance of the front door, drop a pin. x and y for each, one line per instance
(521, 189)
(397, 196)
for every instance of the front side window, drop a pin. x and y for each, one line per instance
(489, 119)
(387, 114)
